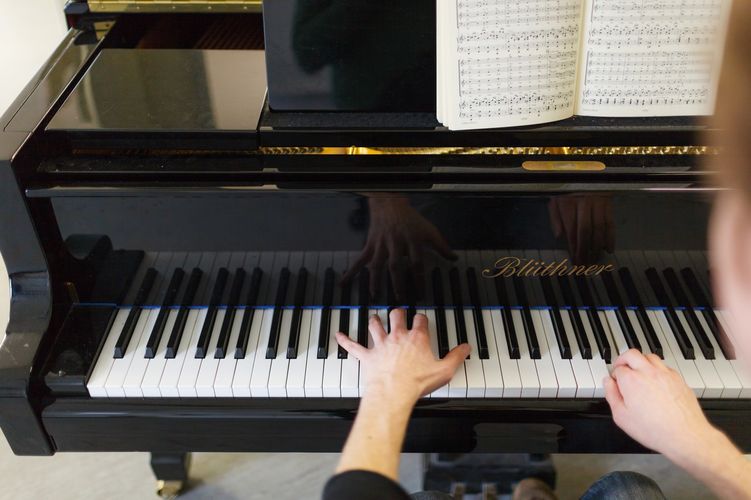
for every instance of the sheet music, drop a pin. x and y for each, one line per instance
(651, 57)
(514, 61)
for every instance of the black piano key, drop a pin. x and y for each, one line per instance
(689, 313)
(582, 340)
(222, 344)
(208, 324)
(345, 302)
(363, 311)
(508, 322)
(440, 313)
(276, 318)
(620, 313)
(474, 296)
(715, 327)
(324, 327)
(161, 320)
(680, 335)
(601, 338)
(411, 299)
(641, 314)
(456, 296)
(294, 334)
(529, 326)
(251, 301)
(558, 326)
(135, 312)
(182, 314)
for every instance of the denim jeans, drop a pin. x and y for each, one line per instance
(613, 486)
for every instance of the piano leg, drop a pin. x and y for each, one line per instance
(171, 471)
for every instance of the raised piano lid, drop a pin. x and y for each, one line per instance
(166, 98)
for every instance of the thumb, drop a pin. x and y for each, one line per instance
(456, 357)
(613, 395)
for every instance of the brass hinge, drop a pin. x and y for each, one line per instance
(175, 5)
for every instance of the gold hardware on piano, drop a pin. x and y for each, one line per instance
(176, 5)
(509, 267)
(503, 150)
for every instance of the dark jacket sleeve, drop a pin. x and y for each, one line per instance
(362, 485)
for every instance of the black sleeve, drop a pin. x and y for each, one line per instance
(362, 485)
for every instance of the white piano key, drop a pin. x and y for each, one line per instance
(564, 373)
(713, 386)
(314, 366)
(441, 392)
(332, 368)
(209, 364)
(244, 366)
(615, 330)
(137, 369)
(527, 366)
(280, 365)
(732, 386)
(120, 367)
(473, 366)
(686, 367)
(597, 366)
(512, 382)
(491, 367)
(153, 375)
(186, 384)
(259, 381)
(173, 367)
(743, 373)
(350, 365)
(225, 372)
(98, 378)
(297, 367)
(458, 384)
(585, 386)
(545, 370)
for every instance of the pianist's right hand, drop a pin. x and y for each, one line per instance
(653, 405)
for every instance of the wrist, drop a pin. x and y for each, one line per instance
(393, 394)
(709, 450)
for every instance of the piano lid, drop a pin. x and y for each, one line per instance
(172, 97)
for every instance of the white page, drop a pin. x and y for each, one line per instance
(646, 58)
(508, 62)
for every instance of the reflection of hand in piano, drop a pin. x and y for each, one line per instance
(397, 230)
(402, 363)
(586, 221)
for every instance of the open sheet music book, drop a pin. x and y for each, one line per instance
(506, 63)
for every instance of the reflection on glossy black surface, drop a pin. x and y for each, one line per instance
(167, 90)
(351, 55)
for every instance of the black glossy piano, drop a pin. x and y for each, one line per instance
(196, 196)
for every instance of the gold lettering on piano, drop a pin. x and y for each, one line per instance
(508, 267)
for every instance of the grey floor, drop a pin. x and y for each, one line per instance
(280, 476)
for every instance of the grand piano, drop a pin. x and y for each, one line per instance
(197, 195)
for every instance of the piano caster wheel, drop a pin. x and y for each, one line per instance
(169, 489)
(458, 490)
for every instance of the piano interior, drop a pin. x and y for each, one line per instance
(183, 252)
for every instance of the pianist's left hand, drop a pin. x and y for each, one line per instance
(398, 370)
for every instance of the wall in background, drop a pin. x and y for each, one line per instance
(29, 32)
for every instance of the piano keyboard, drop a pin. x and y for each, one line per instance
(262, 325)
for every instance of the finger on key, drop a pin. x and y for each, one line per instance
(420, 323)
(634, 360)
(375, 327)
(351, 346)
(398, 320)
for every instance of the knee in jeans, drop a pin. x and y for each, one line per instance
(625, 485)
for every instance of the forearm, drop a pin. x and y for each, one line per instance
(376, 439)
(719, 465)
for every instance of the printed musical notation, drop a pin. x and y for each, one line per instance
(661, 57)
(516, 58)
